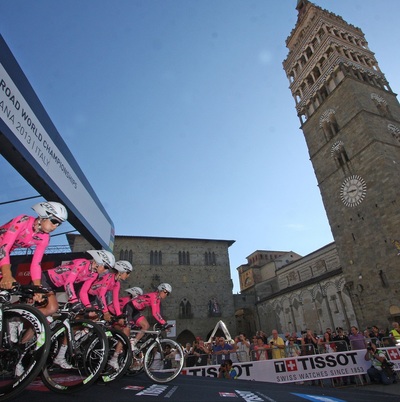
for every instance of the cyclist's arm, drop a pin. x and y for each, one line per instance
(6, 278)
(84, 292)
(69, 286)
(155, 310)
(102, 299)
(36, 269)
(115, 301)
(7, 242)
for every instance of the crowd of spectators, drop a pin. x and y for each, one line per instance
(262, 346)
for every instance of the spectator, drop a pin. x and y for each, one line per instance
(287, 336)
(341, 340)
(342, 343)
(381, 370)
(308, 343)
(292, 349)
(330, 334)
(169, 356)
(263, 335)
(277, 345)
(357, 339)
(201, 353)
(395, 332)
(243, 348)
(260, 349)
(296, 338)
(190, 359)
(222, 350)
(325, 344)
(226, 371)
(253, 344)
(375, 335)
(233, 355)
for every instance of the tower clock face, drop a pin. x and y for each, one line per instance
(353, 191)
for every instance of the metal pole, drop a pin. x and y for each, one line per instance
(20, 199)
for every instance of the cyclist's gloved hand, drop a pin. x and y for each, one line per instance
(77, 307)
(166, 326)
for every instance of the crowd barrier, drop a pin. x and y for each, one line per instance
(302, 368)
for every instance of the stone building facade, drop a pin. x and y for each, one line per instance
(197, 269)
(350, 118)
(293, 293)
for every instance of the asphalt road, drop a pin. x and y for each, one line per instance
(206, 389)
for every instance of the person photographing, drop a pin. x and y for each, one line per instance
(227, 371)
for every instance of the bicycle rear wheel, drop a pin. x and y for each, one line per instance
(164, 361)
(24, 348)
(88, 357)
(117, 338)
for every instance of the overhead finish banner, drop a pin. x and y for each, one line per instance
(32, 144)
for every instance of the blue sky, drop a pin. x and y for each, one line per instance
(180, 115)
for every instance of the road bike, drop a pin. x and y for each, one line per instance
(87, 351)
(161, 358)
(24, 340)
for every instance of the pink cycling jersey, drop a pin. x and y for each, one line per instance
(122, 301)
(152, 300)
(99, 288)
(19, 233)
(74, 271)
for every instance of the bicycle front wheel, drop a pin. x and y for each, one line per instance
(119, 343)
(88, 357)
(163, 360)
(25, 345)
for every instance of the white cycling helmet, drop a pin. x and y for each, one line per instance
(103, 257)
(49, 209)
(123, 266)
(135, 291)
(165, 286)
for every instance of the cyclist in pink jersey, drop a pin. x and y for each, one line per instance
(123, 301)
(110, 282)
(153, 300)
(26, 231)
(64, 278)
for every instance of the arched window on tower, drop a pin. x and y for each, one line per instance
(395, 131)
(329, 124)
(381, 105)
(339, 154)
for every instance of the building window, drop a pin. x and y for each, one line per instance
(155, 257)
(184, 258)
(395, 131)
(209, 258)
(185, 309)
(329, 124)
(381, 105)
(126, 255)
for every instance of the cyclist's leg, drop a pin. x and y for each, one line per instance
(144, 325)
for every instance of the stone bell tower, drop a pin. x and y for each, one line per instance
(350, 118)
